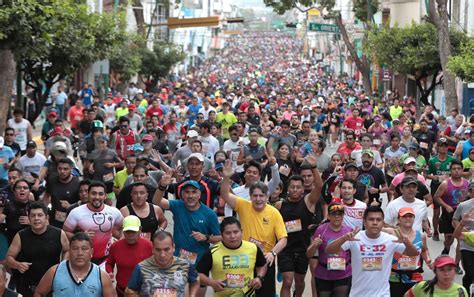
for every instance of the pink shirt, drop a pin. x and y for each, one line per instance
(399, 177)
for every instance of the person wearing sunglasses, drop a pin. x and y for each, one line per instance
(333, 273)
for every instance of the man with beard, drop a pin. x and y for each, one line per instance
(426, 139)
(372, 177)
(297, 213)
(97, 220)
(61, 192)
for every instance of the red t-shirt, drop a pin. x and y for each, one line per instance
(354, 124)
(75, 115)
(126, 257)
(154, 111)
(346, 151)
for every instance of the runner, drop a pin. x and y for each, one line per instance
(78, 276)
(371, 254)
(237, 266)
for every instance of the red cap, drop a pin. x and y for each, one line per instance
(444, 260)
(52, 114)
(132, 107)
(147, 137)
(56, 131)
(406, 210)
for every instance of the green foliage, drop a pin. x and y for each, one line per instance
(158, 63)
(51, 39)
(463, 64)
(127, 60)
(360, 8)
(281, 6)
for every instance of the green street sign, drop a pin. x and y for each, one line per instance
(328, 28)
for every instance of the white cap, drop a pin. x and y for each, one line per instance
(140, 91)
(409, 160)
(192, 133)
(2, 142)
(198, 156)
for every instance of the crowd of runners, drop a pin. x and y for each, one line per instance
(256, 168)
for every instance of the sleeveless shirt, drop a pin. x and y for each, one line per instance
(64, 284)
(150, 223)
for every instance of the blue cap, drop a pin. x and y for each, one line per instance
(189, 183)
(137, 147)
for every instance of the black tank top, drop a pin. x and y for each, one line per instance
(297, 218)
(150, 223)
(43, 250)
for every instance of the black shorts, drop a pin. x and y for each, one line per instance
(324, 285)
(294, 262)
(446, 222)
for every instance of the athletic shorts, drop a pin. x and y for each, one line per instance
(293, 262)
(446, 222)
(325, 285)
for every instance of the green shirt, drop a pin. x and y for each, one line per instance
(418, 291)
(438, 167)
(226, 121)
(420, 161)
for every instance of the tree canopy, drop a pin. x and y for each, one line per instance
(463, 64)
(52, 39)
(412, 50)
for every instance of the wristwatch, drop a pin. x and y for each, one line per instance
(261, 278)
(274, 254)
(208, 237)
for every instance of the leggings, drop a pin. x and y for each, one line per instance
(467, 258)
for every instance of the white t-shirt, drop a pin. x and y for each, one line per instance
(234, 148)
(29, 165)
(353, 215)
(241, 191)
(205, 112)
(210, 146)
(421, 212)
(21, 131)
(371, 261)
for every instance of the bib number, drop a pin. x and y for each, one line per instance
(109, 177)
(336, 263)
(423, 145)
(162, 292)
(293, 226)
(376, 141)
(235, 280)
(407, 263)
(190, 256)
(372, 263)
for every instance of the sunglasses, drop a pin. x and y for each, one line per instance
(22, 188)
(123, 126)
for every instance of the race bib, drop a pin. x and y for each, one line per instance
(235, 280)
(423, 145)
(371, 263)
(108, 177)
(162, 292)
(257, 242)
(77, 118)
(293, 226)
(146, 235)
(190, 256)
(407, 263)
(333, 120)
(377, 141)
(336, 263)
(60, 216)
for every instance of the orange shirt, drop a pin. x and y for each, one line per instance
(75, 115)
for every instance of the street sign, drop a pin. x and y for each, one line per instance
(328, 28)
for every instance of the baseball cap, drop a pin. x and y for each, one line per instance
(414, 145)
(132, 107)
(189, 183)
(96, 124)
(367, 152)
(192, 133)
(408, 180)
(444, 260)
(405, 210)
(443, 140)
(409, 160)
(137, 147)
(59, 146)
(131, 223)
(147, 137)
(335, 207)
(377, 118)
(396, 121)
(197, 156)
(31, 143)
(350, 165)
(52, 114)
(2, 142)
(103, 138)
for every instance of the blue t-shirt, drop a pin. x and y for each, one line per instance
(202, 220)
(6, 155)
(193, 111)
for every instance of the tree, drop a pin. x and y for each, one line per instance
(53, 39)
(412, 50)
(361, 12)
(438, 14)
(126, 62)
(463, 64)
(158, 63)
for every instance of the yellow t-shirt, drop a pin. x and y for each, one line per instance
(264, 227)
(234, 266)
(121, 112)
(226, 121)
(120, 178)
